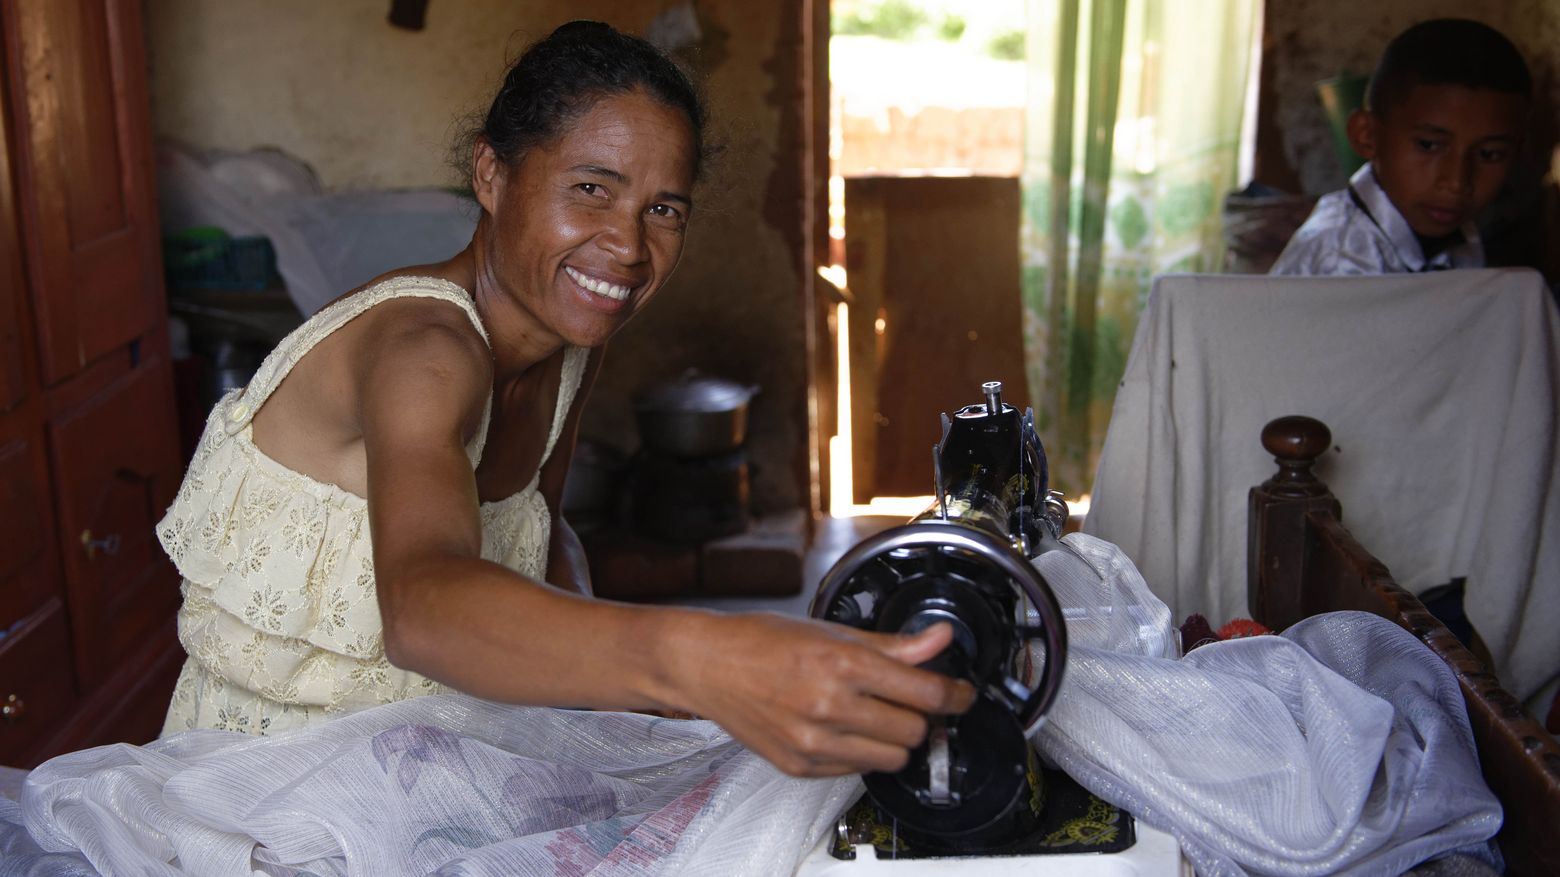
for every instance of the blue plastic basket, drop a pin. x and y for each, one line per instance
(209, 259)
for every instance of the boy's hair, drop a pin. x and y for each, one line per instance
(1446, 51)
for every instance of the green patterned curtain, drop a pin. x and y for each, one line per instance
(1132, 141)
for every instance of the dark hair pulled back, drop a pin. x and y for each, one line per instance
(560, 77)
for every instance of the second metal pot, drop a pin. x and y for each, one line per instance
(695, 415)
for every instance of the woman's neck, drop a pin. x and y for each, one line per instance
(517, 338)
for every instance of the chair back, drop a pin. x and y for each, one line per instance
(1440, 391)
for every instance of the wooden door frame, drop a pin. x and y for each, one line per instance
(819, 297)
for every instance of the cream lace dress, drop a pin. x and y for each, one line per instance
(280, 617)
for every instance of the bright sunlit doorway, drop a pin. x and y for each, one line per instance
(917, 89)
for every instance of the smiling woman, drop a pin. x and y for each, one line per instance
(375, 516)
(591, 227)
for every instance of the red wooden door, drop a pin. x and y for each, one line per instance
(84, 172)
(88, 448)
(37, 679)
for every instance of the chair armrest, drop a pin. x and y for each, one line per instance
(1304, 562)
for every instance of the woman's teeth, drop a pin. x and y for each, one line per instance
(599, 287)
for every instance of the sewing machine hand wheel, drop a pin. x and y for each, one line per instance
(973, 771)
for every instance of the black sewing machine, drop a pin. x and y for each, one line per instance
(974, 784)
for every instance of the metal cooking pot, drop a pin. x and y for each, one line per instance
(695, 415)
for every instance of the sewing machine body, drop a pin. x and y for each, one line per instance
(965, 562)
(971, 798)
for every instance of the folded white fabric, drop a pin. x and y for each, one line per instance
(444, 784)
(1342, 747)
(1440, 390)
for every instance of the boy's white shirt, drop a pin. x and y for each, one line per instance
(1357, 230)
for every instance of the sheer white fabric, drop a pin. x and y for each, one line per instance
(1341, 747)
(436, 785)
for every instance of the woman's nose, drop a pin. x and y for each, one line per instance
(624, 237)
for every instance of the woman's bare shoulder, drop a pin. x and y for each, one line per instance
(411, 333)
(419, 367)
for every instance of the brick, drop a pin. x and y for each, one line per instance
(627, 567)
(766, 560)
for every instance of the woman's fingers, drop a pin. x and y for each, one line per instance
(900, 681)
(814, 750)
(918, 647)
(878, 719)
(879, 711)
(819, 699)
(857, 754)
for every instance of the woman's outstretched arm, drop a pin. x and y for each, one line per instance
(814, 698)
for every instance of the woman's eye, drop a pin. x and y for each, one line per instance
(1428, 145)
(1494, 156)
(589, 188)
(666, 211)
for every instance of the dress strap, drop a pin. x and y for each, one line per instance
(317, 328)
(574, 359)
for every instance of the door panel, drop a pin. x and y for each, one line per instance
(37, 688)
(933, 265)
(24, 584)
(15, 328)
(115, 473)
(13, 379)
(88, 133)
(85, 175)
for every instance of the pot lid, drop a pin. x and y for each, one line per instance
(695, 392)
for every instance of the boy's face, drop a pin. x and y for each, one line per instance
(1442, 154)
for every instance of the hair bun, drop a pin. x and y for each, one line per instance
(580, 27)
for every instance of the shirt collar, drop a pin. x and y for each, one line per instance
(1373, 199)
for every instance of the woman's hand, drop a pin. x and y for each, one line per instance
(819, 699)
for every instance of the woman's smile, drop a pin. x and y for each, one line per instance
(600, 287)
(585, 229)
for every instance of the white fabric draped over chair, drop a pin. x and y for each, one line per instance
(1440, 391)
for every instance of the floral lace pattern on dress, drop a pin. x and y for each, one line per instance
(280, 615)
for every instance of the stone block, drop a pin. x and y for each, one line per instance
(766, 560)
(627, 567)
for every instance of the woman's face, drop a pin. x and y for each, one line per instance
(586, 229)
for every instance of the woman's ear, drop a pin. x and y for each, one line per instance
(1362, 133)
(487, 175)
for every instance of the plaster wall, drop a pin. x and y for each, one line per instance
(1311, 40)
(372, 106)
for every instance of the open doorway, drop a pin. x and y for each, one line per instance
(925, 122)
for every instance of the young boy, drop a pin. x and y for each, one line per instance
(1443, 118)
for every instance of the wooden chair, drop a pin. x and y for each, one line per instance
(1302, 562)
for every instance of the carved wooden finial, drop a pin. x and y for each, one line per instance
(1295, 443)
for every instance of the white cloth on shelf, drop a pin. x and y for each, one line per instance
(326, 242)
(1440, 392)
